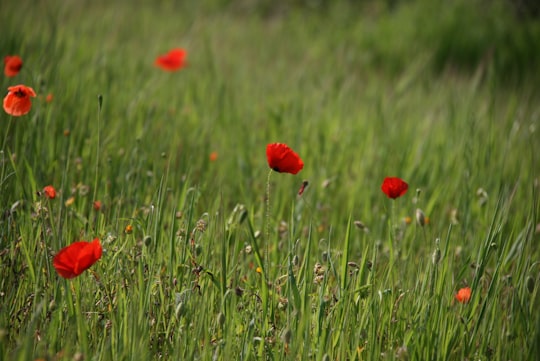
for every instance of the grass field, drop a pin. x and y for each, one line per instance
(210, 255)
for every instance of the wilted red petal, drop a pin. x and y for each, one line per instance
(464, 295)
(76, 258)
(283, 159)
(17, 101)
(12, 65)
(394, 187)
(173, 60)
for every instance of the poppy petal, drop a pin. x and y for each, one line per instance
(12, 65)
(283, 159)
(17, 101)
(394, 187)
(88, 256)
(173, 60)
(74, 259)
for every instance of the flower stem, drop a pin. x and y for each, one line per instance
(7, 132)
(392, 231)
(267, 221)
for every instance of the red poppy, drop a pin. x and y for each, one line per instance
(50, 192)
(464, 295)
(173, 60)
(76, 258)
(12, 65)
(283, 159)
(17, 101)
(394, 187)
(97, 205)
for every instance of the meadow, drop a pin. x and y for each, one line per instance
(208, 254)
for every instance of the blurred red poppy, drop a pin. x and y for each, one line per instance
(17, 101)
(76, 258)
(464, 295)
(173, 60)
(12, 65)
(50, 192)
(394, 187)
(97, 205)
(283, 159)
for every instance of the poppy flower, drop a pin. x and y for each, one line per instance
(12, 65)
(173, 60)
(76, 258)
(17, 101)
(464, 295)
(97, 205)
(394, 187)
(50, 192)
(283, 159)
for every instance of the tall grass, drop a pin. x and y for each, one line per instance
(343, 272)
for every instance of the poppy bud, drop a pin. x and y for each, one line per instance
(286, 335)
(361, 225)
(420, 217)
(303, 187)
(436, 256)
(221, 319)
(147, 240)
(530, 284)
(454, 216)
(239, 291)
(180, 310)
(243, 215)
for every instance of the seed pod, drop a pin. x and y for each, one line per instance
(147, 241)
(420, 217)
(530, 284)
(221, 319)
(286, 335)
(436, 256)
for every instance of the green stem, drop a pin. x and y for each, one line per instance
(7, 133)
(267, 221)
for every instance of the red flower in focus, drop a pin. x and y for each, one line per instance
(17, 101)
(12, 65)
(172, 61)
(394, 187)
(464, 295)
(283, 159)
(50, 192)
(76, 258)
(97, 205)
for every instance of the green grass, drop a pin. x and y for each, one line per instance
(334, 82)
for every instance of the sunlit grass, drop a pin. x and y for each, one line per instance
(203, 259)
